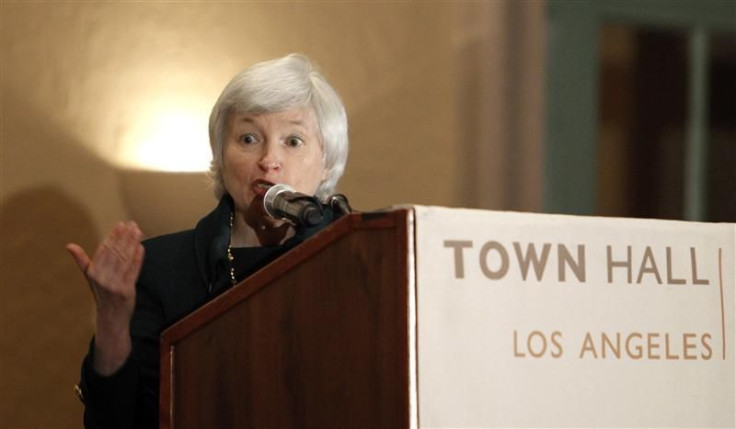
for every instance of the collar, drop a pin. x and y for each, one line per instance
(212, 237)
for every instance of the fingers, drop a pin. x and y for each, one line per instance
(116, 263)
(120, 245)
(134, 268)
(123, 239)
(79, 255)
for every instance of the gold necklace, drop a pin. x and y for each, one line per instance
(229, 252)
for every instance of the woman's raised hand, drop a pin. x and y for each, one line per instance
(112, 273)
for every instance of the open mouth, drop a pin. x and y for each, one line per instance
(260, 187)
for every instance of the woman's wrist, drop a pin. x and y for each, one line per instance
(112, 346)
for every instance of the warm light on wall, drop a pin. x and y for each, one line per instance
(168, 139)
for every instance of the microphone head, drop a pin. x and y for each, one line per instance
(270, 197)
(283, 202)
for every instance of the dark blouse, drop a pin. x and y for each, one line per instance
(247, 260)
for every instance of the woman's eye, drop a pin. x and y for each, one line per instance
(248, 138)
(294, 141)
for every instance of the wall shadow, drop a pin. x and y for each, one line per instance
(46, 310)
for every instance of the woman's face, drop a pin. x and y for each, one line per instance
(271, 148)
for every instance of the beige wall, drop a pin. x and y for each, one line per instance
(444, 101)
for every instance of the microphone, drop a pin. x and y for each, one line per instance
(283, 202)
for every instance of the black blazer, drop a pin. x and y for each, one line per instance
(181, 272)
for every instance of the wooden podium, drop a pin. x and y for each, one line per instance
(320, 338)
(443, 318)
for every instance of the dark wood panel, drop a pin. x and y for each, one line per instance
(318, 339)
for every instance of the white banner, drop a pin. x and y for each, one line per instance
(530, 320)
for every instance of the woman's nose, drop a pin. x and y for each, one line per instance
(270, 159)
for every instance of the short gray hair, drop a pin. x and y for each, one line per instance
(278, 85)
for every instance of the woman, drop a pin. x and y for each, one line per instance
(276, 122)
